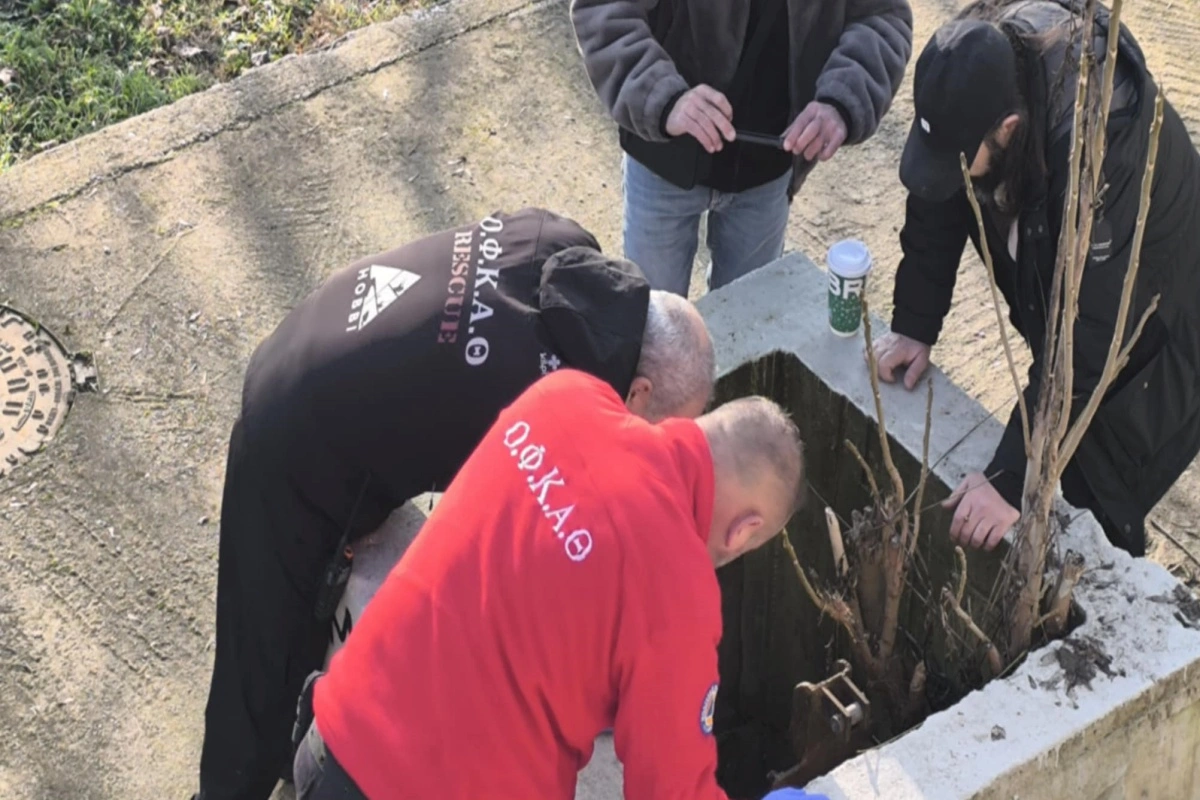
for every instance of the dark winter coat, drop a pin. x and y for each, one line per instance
(383, 380)
(849, 53)
(1147, 429)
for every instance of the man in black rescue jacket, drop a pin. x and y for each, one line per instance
(375, 389)
(998, 85)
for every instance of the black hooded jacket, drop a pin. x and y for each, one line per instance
(1147, 430)
(379, 384)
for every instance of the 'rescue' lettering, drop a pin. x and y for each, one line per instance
(531, 458)
(456, 289)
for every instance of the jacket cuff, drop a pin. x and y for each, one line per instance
(1009, 486)
(842, 111)
(1008, 465)
(666, 91)
(666, 112)
(914, 326)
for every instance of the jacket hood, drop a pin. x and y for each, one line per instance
(594, 309)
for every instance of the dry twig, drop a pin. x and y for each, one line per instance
(962, 574)
(993, 655)
(916, 524)
(1055, 621)
(1118, 356)
(991, 271)
(878, 498)
(1175, 542)
(881, 426)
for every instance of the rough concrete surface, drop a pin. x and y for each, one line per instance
(170, 244)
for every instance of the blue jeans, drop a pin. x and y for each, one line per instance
(662, 227)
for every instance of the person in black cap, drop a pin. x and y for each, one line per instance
(375, 389)
(997, 85)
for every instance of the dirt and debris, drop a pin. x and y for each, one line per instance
(1188, 604)
(998, 733)
(1081, 659)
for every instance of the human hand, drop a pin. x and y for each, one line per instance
(817, 132)
(983, 516)
(896, 351)
(703, 112)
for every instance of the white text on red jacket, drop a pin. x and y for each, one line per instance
(548, 488)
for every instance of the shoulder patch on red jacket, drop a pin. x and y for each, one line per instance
(708, 709)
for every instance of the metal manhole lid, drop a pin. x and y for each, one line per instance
(38, 381)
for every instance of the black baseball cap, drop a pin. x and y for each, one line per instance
(965, 84)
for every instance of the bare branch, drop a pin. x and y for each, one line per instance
(1176, 542)
(1066, 238)
(917, 507)
(878, 498)
(993, 655)
(1055, 621)
(1115, 349)
(1099, 139)
(991, 270)
(962, 574)
(817, 600)
(1123, 358)
(1095, 122)
(827, 605)
(834, 607)
(897, 483)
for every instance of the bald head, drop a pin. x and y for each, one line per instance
(674, 376)
(759, 470)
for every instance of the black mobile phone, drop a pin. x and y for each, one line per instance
(760, 138)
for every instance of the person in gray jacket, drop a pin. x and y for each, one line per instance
(686, 81)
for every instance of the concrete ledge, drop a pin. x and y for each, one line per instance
(1089, 743)
(154, 137)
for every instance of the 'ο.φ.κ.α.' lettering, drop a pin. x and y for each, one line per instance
(549, 489)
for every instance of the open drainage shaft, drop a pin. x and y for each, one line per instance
(38, 381)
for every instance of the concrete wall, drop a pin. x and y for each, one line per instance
(1131, 735)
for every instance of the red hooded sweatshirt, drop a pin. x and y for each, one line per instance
(561, 586)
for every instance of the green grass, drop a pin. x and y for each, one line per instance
(69, 67)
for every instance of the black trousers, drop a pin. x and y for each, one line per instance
(274, 549)
(318, 774)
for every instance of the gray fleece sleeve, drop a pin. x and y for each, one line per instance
(629, 69)
(863, 73)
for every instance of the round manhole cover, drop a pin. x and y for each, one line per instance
(38, 380)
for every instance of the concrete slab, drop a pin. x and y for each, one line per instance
(169, 245)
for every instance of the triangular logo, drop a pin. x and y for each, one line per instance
(387, 284)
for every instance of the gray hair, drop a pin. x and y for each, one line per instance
(677, 355)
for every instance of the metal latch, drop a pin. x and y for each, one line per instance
(830, 723)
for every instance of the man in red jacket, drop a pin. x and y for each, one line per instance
(565, 584)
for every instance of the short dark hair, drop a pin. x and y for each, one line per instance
(757, 437)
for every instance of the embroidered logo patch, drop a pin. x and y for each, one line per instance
(707, 709)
